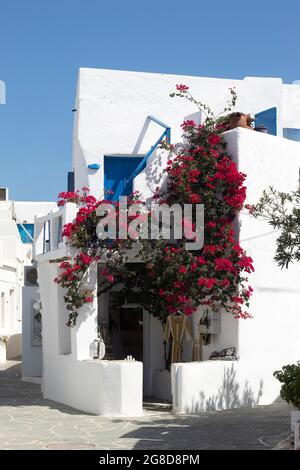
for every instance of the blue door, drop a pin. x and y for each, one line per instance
(116, 172)
(268, 118)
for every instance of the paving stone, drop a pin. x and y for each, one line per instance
(27, 421)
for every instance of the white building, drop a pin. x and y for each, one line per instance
(18, 281)
(119, 117)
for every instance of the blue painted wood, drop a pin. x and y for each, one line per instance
(24, 235)
(291, 133)
(71, 184)
(94, 166)
(167, 134)
(268, 118)
(116, 173)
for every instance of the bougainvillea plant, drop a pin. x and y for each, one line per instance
(172, 278)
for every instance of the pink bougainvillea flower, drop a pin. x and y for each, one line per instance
(182, 270)
(250, 208)
(181, 87)
(195, 199)
(189, 123)
(214, 139)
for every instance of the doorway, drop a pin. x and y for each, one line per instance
(125, 324)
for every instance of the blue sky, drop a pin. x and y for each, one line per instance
(43, 43)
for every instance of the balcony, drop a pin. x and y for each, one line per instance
(49, 244)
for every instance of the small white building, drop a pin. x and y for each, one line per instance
(119, 117)
(18, 281)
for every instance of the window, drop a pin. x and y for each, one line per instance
(291, 134)
(59, 230)
(25, 230)
(46, 241)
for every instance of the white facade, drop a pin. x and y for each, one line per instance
(112, 108)
(17, 294)
(271, 338)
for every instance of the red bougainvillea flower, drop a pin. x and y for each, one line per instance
(181, 87)
(189, 309)
(182, 270)
(246, 263)
(176, 279)
(211, 224)
(188, 124)
(207, 282)
(250, 208)
(194, 267)
(223, 264)
(85, 259)
(214, 139)
(67, 230)
(195, 199)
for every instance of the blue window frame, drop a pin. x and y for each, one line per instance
(291, 133)
(24, 235)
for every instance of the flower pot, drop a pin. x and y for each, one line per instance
(2, 351)
(295, 416)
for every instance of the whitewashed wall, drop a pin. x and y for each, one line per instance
(70, 376)
(14, 256)
(32, 359)
(271, 338)
(112, 107)
(291, 106)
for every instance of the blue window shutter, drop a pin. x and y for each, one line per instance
(71, 181)
(267, 118)
(116, 172)
(291, 133)
(24, 236)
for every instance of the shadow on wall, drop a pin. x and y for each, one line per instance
(230, 395)
(154, 173)
(14, 346)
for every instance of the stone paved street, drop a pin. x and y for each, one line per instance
(27, 421)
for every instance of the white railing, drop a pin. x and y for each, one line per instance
(49, 242)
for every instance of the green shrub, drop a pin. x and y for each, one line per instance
(289, 376)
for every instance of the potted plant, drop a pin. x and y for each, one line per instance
(289, 376)
(3, 342)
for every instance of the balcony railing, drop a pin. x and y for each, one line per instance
(165, 135)
(48, 239)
